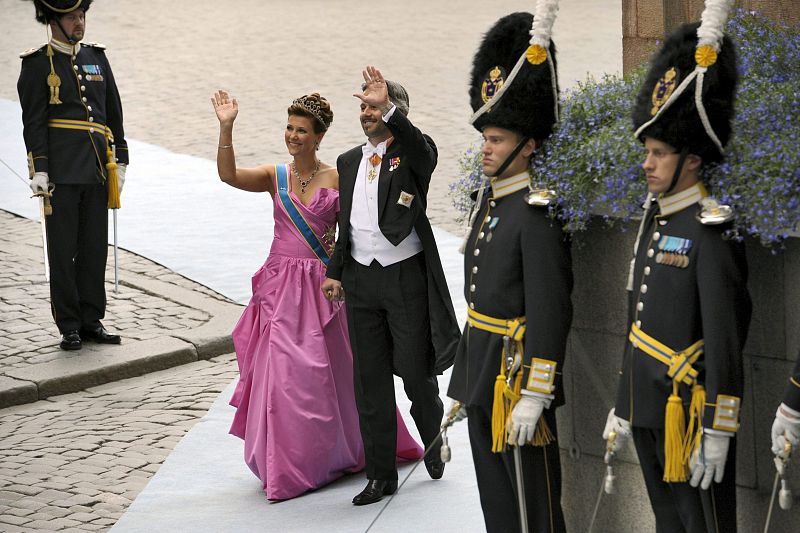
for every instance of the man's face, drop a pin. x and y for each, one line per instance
(74, 24)
(498, 143)
(372, 122)
(659, 165)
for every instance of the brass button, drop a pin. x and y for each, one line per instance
(476, 252)
(650, 252)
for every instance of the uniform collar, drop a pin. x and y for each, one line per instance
(680, 201)
(506, 186)
(65, 48)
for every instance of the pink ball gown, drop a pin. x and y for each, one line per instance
(295, 403)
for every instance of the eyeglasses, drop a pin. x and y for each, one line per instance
(657, 153)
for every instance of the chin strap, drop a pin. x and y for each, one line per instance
(678, 170)
(510, 158)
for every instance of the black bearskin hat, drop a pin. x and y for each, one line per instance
(528, 105)
(680, 125)
(47, 10)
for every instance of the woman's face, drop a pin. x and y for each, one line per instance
(300, 137)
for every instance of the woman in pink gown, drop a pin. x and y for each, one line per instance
(295, 402)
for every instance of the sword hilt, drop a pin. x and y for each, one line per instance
(610, 452)
(45, 197)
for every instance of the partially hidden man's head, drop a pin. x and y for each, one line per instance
(527, 110)
(371, 118)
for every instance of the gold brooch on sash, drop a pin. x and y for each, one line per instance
(663, 89)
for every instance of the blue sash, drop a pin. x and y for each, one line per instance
(296, 217)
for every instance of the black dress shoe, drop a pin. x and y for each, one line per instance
(70, 340)
(435, 468)
(99, 335)
(375, 490)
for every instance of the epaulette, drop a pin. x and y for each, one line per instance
(32, 51)
(712, 212)
(101, 46)
(540, 197)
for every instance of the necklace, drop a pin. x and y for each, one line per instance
(304, 182)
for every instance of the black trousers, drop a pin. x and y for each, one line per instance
(387, 314)
(679, 507)
(497, 481)
(77, 241)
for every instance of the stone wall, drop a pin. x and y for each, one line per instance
(600, 258)
(645, 22)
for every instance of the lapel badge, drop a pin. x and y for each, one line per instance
(405, 199)
(394, 163)
(673, 251)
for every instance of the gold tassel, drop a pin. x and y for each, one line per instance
(542, 436)
(674, 432)
(694, 433)
(53, 81)
(499, 414)
(113, 179)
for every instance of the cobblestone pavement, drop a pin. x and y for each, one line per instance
(26, 327)
(75, 462)
(169, 61)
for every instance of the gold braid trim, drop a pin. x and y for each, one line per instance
(66, 10)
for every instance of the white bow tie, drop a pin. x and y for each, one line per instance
(368, 150)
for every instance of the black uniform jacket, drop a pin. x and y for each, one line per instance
(89, 95)
(405, 168)
(701, 295)
(517, 263)
(791, 396)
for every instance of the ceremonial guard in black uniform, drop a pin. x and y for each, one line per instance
(72, 117)
(681, 382)
(518, 281)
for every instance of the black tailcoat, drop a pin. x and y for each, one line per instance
(417, 155)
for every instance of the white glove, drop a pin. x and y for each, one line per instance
(121, 169)
(785, 428)
(708, 462)
(39, 183)
(524, 417)
(621, 427)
